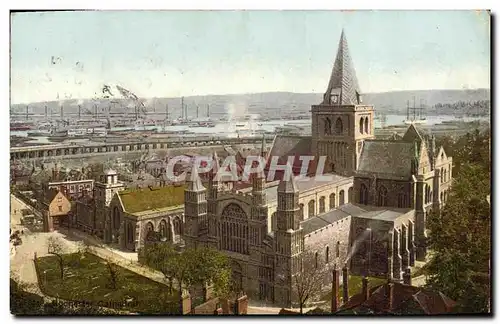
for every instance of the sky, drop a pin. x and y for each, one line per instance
(70, 55)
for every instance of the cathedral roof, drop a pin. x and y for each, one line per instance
(392, 158)
(354, 210)
(343, 81)
(290, 145)
(139, 200)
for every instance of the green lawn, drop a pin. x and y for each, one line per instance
(355, 286)
(87, 279)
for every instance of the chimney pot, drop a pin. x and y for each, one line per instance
(365, 290)
(345, 284)
(390, 295)
(335, 289)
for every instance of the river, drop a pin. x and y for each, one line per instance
(254, 127)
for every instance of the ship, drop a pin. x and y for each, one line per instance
(20, 126)
(417, 118)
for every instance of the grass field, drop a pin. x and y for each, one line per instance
(87, 279)
(355, 286)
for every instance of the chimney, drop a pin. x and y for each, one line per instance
(345, 284)
(185, 303)
(390, 295)
(241, 306)
(365, 290)
(407, 277)
(335, 289)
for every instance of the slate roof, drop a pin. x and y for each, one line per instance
(290, 145)
(138, 200)
(49, 195)
(407, 300)
(303, 185)
(343, 80)
(315, 223)
(365, 211)
(387, 158)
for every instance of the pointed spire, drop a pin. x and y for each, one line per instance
(215, 166)
(193, 180)
(288, 184)
(343, 81)
(263, 146)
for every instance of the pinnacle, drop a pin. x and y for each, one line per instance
(287, 184)
(193, 180)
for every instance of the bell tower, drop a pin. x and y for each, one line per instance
(341, 122)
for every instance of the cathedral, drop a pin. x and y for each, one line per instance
(370, 216)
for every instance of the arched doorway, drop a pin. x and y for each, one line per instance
(237, 276)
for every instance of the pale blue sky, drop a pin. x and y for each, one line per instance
(182, 53)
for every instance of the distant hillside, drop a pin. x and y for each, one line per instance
(267, 103)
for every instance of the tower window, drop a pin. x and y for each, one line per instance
(316, 259)
(361, 125)
(363, 194)
(339, 127)
(337, 250)
(366, 126)
(327, 254)
(328, 126)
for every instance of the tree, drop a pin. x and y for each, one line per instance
(162, 257)
(460, 234)
(213, 269)
(308, 281)
(55, 246)
(113, 273)
(202, 266)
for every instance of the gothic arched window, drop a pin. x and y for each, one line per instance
(301, 212)
(327, 254)
(367, 128)
(116, 218)
(310, 208)
(339, 127)
(322, 204)
(177, 226)
(332, 201)
(328, 126)
(337, 249)
(363, 194)
(130, 233)
(361, 125)
(234, 225)
(341, 198)
(349, 195)
(402, 202)
(163, 229)
(382, 196)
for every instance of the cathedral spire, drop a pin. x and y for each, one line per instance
(343, 87)
(193, 180)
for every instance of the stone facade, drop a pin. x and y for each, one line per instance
(371, 216)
